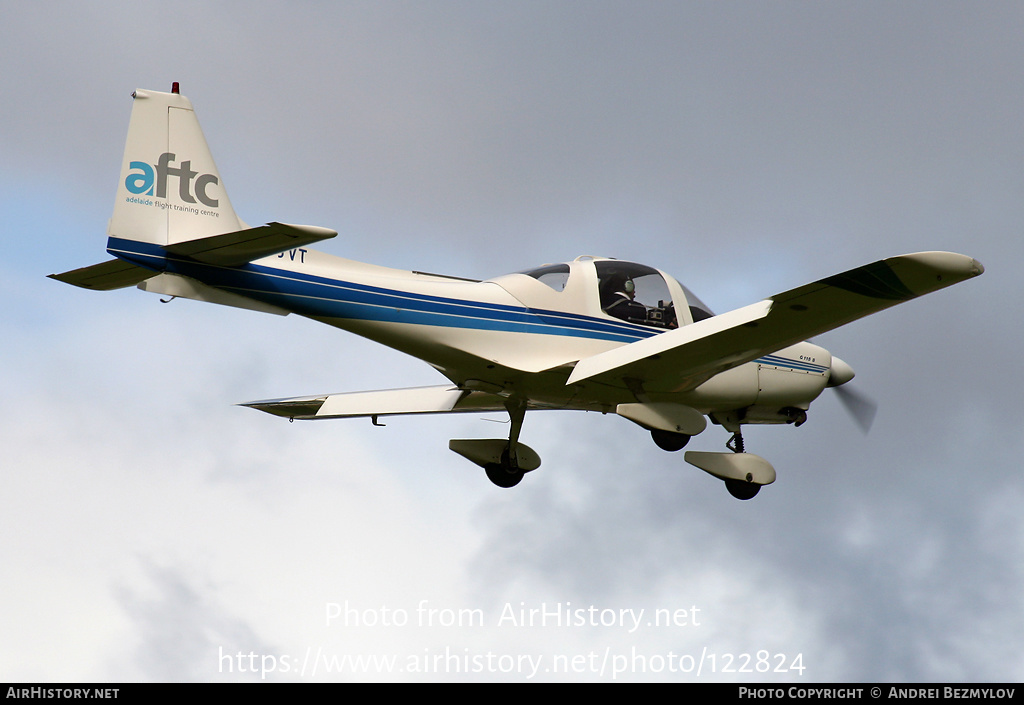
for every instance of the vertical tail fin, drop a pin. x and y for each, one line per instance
(171, 202)
(170, 191)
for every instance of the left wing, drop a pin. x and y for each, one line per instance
(683, 358)
(389, 402)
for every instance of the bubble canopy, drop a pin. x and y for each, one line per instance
(628, 290)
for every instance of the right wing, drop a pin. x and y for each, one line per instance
(683, 358)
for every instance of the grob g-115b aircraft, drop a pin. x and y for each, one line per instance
(594, 334)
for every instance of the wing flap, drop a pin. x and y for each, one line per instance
(242, 246)
(388, 402)
(683, 358)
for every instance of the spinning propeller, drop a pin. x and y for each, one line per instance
(861, 408)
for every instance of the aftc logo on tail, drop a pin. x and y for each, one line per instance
(144, 179)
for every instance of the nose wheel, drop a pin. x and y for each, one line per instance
(743, 473)
(741, 489)
(745, 488)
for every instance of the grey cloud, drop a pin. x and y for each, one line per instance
(183, 636)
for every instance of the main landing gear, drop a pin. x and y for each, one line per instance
(504, 461)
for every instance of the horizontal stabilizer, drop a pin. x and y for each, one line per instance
(115, 274)
(389, 402)
(241, 246)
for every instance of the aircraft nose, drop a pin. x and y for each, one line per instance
(840, 374)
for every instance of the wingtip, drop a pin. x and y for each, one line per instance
(951, 263)
(287, 408)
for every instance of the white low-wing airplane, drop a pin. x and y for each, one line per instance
(594, 334)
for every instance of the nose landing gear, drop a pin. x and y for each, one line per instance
(743, 473)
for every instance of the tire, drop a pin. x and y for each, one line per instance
(667, 440)
(502, 477)
(742, 490)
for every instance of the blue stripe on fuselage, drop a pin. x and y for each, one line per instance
(312, 295)
(801, 365)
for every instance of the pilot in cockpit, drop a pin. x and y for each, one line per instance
(619, 302)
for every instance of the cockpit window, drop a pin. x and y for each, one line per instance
(553, 275)
(698, 309)
(635, 293)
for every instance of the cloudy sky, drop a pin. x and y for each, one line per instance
(153, 531)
